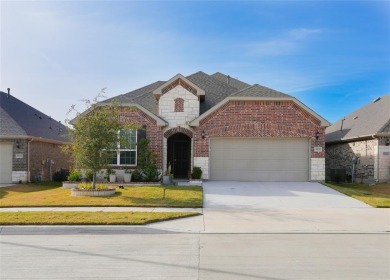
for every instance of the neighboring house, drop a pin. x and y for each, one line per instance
(365, 135)
(232, 130)
(30, 142)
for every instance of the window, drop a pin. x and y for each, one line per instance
(126, 148)
(179, 105)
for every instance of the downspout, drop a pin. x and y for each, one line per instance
(28, 160)
(377, 158)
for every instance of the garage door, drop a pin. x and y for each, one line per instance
(6, 162)
(259, 159)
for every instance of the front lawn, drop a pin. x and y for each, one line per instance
(376, 196)
(88, 218)
(50, 194)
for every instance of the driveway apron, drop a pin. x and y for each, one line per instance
(274, 195)
(286, 207)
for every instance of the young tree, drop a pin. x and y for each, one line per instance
(94, 135)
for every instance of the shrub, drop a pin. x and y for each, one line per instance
(74, 176)
(61, 175)
(196, 173)
(151, 173)
(136, 176)
(147, 163)
(89, 175)
(88, 186)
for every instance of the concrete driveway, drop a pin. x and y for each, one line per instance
(286, 207)
(274, 195)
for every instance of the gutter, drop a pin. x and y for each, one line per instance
(159, 121)
(39, 139)
(362, 137)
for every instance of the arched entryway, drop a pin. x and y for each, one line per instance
(179, 155)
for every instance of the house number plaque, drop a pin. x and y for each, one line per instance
(317, 149)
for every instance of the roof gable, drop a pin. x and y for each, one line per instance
(176, 81)
(370, 120)
(27, 121)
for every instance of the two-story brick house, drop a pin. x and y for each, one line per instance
(232, 130)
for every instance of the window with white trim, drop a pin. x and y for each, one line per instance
(126, 148)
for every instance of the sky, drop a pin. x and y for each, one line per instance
(334, 56)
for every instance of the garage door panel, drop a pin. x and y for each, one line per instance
(259, 159)
(6, 162)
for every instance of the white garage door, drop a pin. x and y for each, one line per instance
(259, 159)
(6, 162)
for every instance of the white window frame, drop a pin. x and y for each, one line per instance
(119, 150)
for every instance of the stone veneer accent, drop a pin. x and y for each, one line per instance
(339, 156)
(384, 164)
(203, 163)
(166, 106)
(374, 161)
(317, 169)
(19, 176)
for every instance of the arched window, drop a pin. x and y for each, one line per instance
(179, 105)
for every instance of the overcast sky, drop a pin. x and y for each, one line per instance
(334, 56)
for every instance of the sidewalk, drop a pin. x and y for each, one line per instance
(100, 209)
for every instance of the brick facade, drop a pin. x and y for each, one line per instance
(259, 119)
(34, 155)
(153, 132)
(40, 154)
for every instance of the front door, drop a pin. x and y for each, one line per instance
(179, 155)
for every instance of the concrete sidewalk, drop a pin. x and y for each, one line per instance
(365, 220)
(100, 209)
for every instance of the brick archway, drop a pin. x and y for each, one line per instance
(178, 129)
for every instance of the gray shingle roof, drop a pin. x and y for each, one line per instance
(232, 81)
(19, 118)
(371, 119)
(215, 90)
(8, 126)
(260, 91)
(215, 86)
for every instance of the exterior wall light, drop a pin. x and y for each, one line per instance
(317, 135)
(203, 134)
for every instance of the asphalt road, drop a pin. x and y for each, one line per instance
(151, 255)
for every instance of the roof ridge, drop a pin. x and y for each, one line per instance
(237, 92)
(220, 82)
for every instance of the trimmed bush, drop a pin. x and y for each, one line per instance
(74, 176)
(196, 173)
(61, 175)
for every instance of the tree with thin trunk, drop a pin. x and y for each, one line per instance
(95, 135)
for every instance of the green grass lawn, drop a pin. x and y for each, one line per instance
(376, 196)
(88, 218)
(52, 194)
